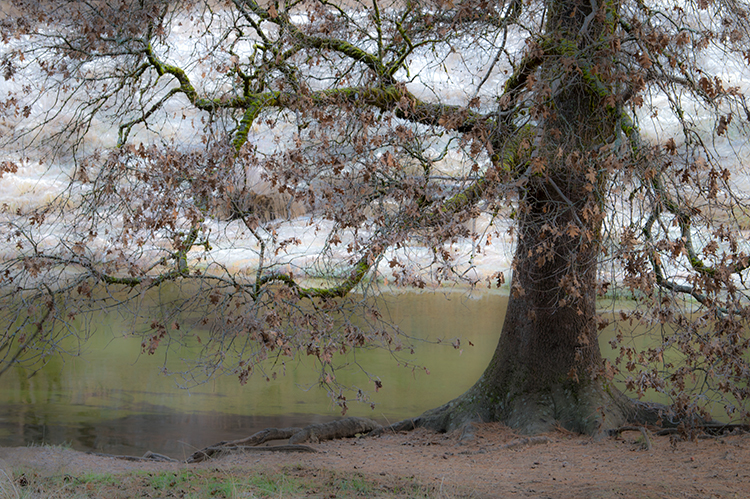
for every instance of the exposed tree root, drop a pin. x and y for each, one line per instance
(596, 412)
(646, 440)
(342, 428)
(148, 456)
(461, 414)
(590, 410)
(711, 429)
(223, 450)
(263, 436)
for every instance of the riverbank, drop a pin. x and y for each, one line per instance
(495, 463)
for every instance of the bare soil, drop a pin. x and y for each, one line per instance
(494, 463)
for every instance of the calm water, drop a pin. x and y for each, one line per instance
(112, 399)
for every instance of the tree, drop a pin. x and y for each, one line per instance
(546, 128)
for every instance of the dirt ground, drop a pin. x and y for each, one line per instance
(495, 463)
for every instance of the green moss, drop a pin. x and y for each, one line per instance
(240, 136)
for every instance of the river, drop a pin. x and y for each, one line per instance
(113, 399)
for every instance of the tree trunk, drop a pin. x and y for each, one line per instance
(547, 369)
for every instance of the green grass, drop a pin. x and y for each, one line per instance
(284, 482)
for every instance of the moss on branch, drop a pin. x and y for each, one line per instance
(180, 269)
(512, 154)
(358, 272)
(390, 97)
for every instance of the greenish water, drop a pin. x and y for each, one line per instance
(113, 399)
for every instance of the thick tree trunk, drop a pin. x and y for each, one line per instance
(547, 369)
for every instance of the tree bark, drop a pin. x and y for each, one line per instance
(547, 369)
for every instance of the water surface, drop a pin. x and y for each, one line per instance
(113, 399)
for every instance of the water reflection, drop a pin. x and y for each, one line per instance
(167, 432)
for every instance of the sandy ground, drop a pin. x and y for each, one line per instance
(495, 463)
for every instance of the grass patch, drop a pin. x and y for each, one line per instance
(8, 487)
(261, 483)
